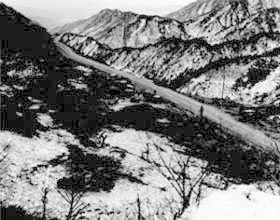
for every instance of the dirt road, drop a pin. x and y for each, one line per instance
(244, 131)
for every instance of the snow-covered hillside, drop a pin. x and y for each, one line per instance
(214, 21)
(233, 21)
(239, 83)
(239, 202)
(178, 63)
(220, 34)
(196, 9)
(125, 29)
(203, 7)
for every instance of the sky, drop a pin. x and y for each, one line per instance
(63, 11)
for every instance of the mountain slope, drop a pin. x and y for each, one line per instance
(27, 57)
(236, 21)
(125, 29)
(203, 7)
(22, 34)
(215, 21)
(196, 9)
(237, 34)
(174, 63)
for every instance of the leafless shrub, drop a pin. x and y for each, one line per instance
(74, 201)
(146, 154)
(139, 208)
(179, 176)
(101, 140)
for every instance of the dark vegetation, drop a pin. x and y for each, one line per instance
(89, 172)
(84, 112)
(16, 213)
(260, 69)
(186, 76)
(22, 35)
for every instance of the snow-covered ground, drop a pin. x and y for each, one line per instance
(239, 202)
(210, 85)
(34, 164)
(30, 173)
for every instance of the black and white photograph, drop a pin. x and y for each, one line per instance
(140, 110)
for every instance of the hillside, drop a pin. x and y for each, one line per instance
(175, 63)
(34, 40)
(197, 8)
(204, 7)
(125, 29)
(233, 21)
(80, 143)
(214, 21)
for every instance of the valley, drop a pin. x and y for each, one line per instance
(128, 116)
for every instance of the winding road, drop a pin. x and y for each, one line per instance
(228, 123)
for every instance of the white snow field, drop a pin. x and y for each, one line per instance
(24, 188)
(239, 202)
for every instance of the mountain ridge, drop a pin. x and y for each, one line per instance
(125, 29)
(203, 7)
(235, 20)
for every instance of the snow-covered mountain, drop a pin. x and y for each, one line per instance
(236, 20)
(204, 7)
(197, 8)
(215, 21)
(231, 35)
(125, 29)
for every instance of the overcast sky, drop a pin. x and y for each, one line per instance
(71, 10)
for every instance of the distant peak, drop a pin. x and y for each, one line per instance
(115, 12)
(110, 11)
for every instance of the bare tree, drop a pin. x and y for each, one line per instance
(45, 201)
(178, 176)
(76, 206)
(140, 217)
(146, 154)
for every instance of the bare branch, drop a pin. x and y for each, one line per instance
(76, 206)
(180, 180)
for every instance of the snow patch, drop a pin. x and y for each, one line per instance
(239, 202)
